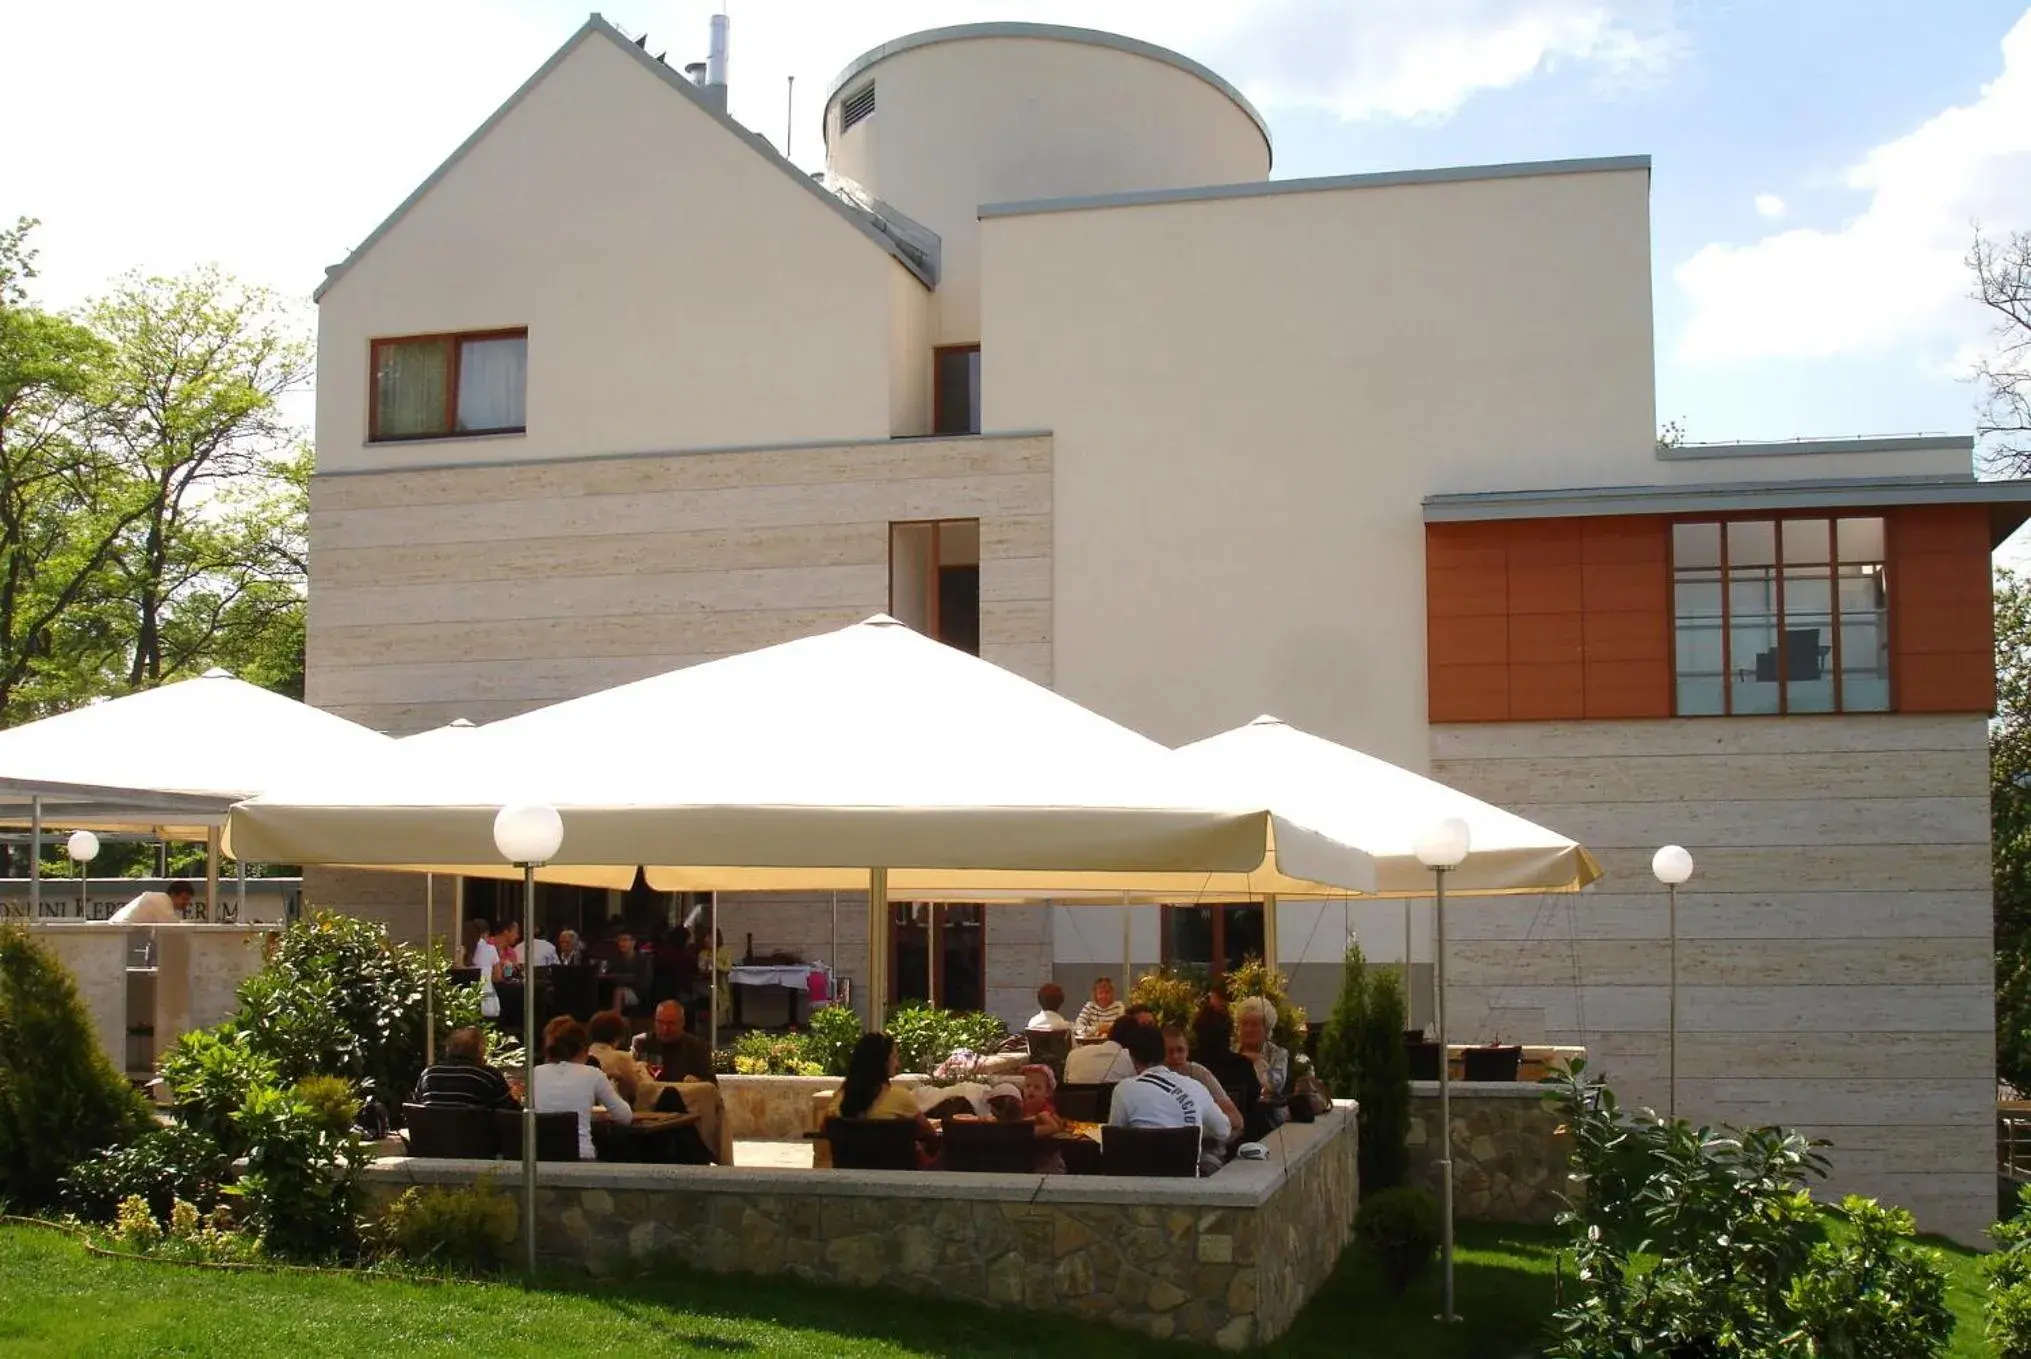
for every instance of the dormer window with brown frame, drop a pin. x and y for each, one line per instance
(448, 386)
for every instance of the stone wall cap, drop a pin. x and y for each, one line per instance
(1481, 1089)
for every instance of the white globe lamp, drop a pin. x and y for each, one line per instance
(1672, 865)
(528, 833)
(83, 847)
(1444, 844)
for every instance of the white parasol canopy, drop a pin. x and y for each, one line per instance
(805, 764)
(171, 759)
(1349, 798)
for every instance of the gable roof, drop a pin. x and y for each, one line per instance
(913, 246)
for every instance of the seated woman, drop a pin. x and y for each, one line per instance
(610, 1037)
(1213, 1047)
(870, 1090)
(566, 1084)
(1255, 1020)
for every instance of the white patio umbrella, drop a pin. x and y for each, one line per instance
(167, 760)
(867, 758)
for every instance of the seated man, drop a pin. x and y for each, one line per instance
(1097, 1015)
(463, 1080)
(672, 1054)
(542, 953)
(1050, 1000)
(1160, 1098)
(1104, 1062)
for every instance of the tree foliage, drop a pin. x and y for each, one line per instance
(2002, 270)
(152, 490)
(2010, 824)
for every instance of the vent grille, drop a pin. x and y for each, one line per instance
(856, 106)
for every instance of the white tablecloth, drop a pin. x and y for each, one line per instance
(798, 977)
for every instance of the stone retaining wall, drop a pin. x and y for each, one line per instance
(1229, 1260)
(1508, 1164)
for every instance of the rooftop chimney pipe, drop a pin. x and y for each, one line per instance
(715, 64)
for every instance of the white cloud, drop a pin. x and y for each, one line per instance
(1892, 275)
(1769, 205)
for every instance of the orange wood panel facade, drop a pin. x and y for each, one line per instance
(1540, 620)
(1942, 610)
(1536, 620)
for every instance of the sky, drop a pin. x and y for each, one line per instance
(1818, 166)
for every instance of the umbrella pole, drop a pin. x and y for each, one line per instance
(931, 956)
(212, 873)
(530, 1041)
(877, 945)
(712, 949)
(1127, 948)
(1445, 1101)
(1269, 939)
(35, 858)
(239, 890)
(1409, 996)
(832, 983)
(429, 968)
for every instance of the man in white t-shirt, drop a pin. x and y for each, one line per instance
(156, 908)
(1108, 1061)
(542, 953)
(1161, 1098)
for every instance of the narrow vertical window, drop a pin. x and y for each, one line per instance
(956, 390)
(934, 579)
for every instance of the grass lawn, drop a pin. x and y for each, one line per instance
(57, 1300)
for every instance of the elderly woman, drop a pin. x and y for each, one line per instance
(1254, 1021)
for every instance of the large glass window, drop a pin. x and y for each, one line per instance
(939, 955)
(1780, 616)
(1216, 938)
(437, 386)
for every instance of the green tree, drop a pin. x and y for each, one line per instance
(152, 490)
(2010, 828)
(1339, 1044)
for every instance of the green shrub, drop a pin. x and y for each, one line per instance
(1400, 1228)
(829, 1037)
(172, 1164)
(1172, 994)
(209, 1072)
(302, 1185)
(333, 1098)
(1255, 978)
(1382, 1084)
(2009, 1275)
(773, 1054)
(926, 1036)
(61, 1099)
(1869, 1293)
(338, 999)
(469, 1228)
(1684, 1234)
(134, 1224)
(1340, 1044)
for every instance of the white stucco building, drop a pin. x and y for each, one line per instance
(1050, 366)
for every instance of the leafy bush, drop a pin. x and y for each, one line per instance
(209, 1072)
(1255, 978)
(1869, 1293)
(469, 1228)
(1382, 1084)
(61, 1098)
(1731, 1244)
(773, 1054)
(1339, 1045)
(1172, 994)
(333, 1098)
(172, 1164)
(2009, 1273)
(1400, 1228)
(134, 1224)
(925, 1036)
(829, 1037)
(302, 1185)
(338, 999)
